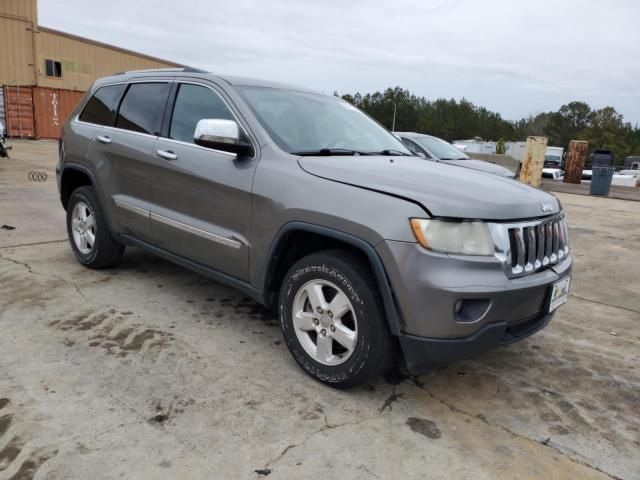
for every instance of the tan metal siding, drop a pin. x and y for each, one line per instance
(25, 9)
(84, 61)
(19, 111)
(16, 52)
(51, 108)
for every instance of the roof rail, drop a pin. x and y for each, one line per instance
(163, 70)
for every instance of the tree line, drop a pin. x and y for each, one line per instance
(460, 119)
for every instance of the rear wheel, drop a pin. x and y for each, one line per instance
(332, 319)
(89, 236)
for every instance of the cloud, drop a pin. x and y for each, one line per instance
(513, 57)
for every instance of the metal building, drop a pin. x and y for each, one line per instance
(44, 72)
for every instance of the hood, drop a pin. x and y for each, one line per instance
(482, 166)
(443, 190)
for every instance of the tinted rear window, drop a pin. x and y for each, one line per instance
(101, 107)
(142, 108)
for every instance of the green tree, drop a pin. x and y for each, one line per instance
(606, 130)
(568, 123)
(456, 120)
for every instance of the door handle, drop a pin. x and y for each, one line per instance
(103, 139)
(166, 154)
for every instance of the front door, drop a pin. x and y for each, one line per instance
(201, 205)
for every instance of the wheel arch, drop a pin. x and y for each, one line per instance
(297, 239)
(71, 177)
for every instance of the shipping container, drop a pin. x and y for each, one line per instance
(2, 120)
(52, 106)
(19, 118)
(39, 56)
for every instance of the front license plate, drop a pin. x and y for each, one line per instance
(559, 293)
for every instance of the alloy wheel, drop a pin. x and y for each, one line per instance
(325, 322)
(83, 228)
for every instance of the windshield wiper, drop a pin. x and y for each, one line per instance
(326, 152)
(389, 152)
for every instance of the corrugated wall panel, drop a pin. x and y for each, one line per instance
(16, 52)
(52, 106)
(24, 9)
(84, 61)
(19, 111)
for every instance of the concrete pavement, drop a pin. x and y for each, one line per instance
(149, 371)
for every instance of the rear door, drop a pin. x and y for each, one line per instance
(201, 197)
(124, 152)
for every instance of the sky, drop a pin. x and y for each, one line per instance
(515, 57)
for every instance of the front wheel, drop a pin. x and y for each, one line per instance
(332, 319)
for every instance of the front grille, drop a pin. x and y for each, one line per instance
(537, 245)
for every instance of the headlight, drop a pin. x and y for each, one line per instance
(467, 238)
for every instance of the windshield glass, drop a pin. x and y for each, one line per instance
(308, 122)
(440, 149)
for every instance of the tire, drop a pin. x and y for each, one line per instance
(103, 251)
(335, 272)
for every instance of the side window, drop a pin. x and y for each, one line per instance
(142, 108)
(195, 103)
(101, 107)
(53, 68)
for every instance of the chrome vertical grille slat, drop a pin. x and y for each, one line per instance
(531, 248)
(535, 245)
(561, 241)
(555, 242)
(540, 253)
(519, 250)
(548, 232)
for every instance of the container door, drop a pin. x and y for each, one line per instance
(52, 107)
(19, 112)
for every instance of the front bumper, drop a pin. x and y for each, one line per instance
(422, 353)
(428, 287)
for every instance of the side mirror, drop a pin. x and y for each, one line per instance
(420, 154)
(221, 135)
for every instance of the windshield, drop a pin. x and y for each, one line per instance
(301, 122)
(440, 149)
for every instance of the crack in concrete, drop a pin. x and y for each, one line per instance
(366, 470)
(603, 303)
(545, 443)
(46, 242)
(394, 397)
(50, 275)
(267, 469)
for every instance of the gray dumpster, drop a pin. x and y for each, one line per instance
(601, 180)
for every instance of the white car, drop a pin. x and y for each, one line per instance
(436, 149)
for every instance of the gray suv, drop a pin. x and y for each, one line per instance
(367, 253)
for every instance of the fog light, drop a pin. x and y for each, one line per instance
(458, 307)
(471, 310)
